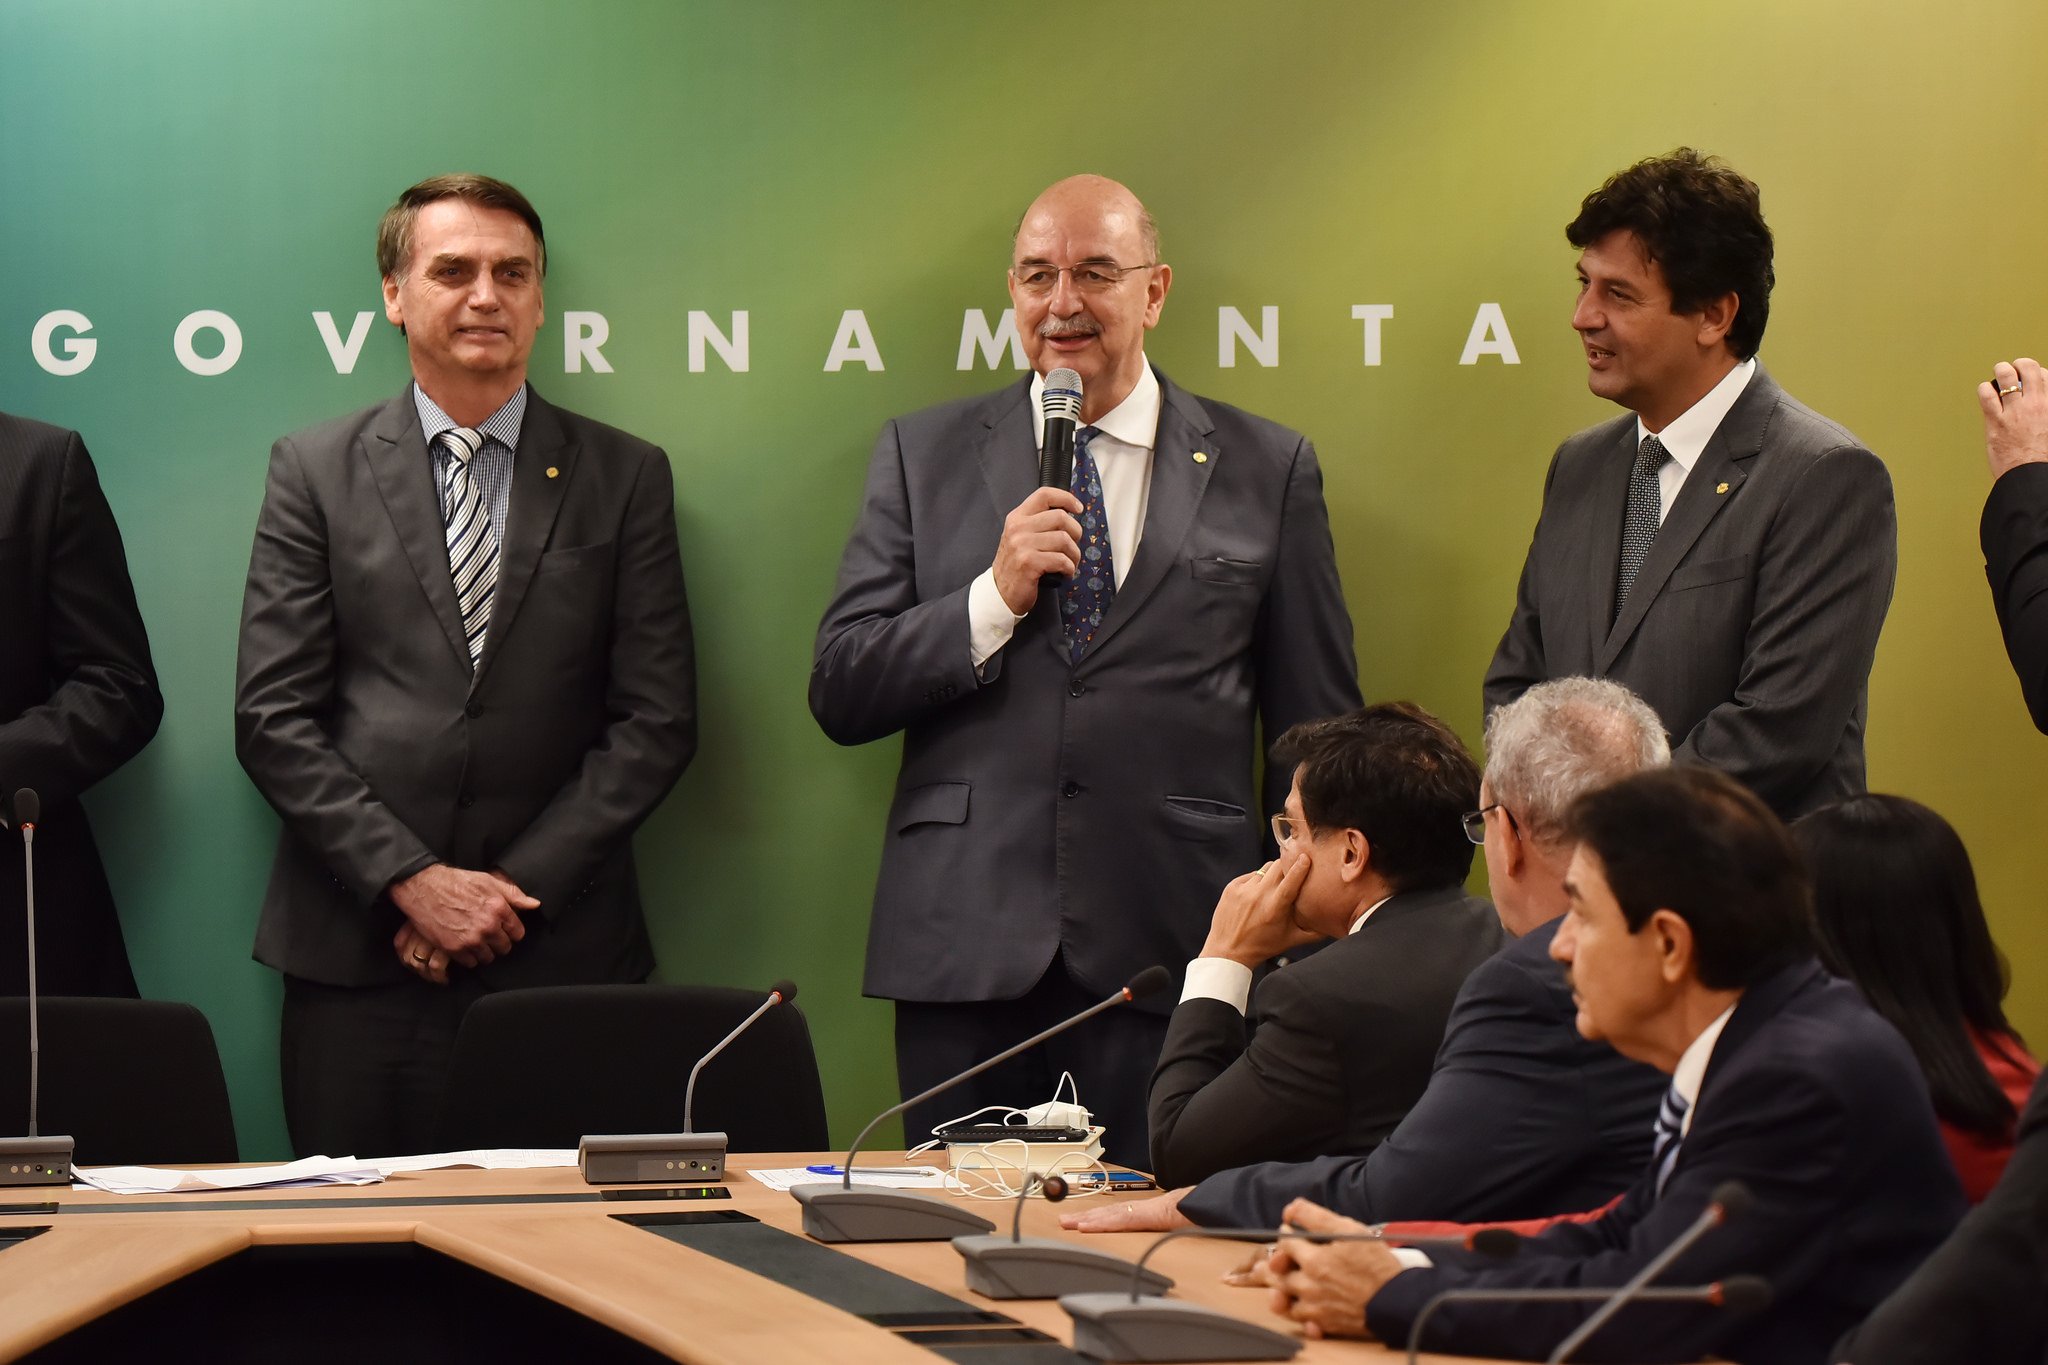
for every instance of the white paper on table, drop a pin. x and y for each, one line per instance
(894, 1177)
(312, 1170)
(490, 1158)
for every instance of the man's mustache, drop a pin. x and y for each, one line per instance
(1079, 325)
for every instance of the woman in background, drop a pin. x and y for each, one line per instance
(1896, 912)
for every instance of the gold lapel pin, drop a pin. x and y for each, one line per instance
(1201, 457)
(1718, 488)
(552, 472)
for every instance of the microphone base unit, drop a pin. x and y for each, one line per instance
(35, 1160)
(652, 1158)
(1112, 1326)
(876, 1213)
(1045, 1268)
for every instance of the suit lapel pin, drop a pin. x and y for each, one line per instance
(552, 472)
(1718, 488)
(1201, 457)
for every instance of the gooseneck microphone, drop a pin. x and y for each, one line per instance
(1730, 1199)
(1737, 1293)
(33, 1160)
(1059, 404)
(686, 1158)
(875, 1213)
(1123, 1325)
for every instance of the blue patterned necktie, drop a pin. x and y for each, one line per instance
(1086, 598)
(1645, 516)
(472, 544)
(1664, 1136)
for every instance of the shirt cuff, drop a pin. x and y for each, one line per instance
(1411, 1259)
(1218, 978)
(990, 622)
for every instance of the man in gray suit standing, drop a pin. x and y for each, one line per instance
(465, 678)
(1076, 783)
(1724, 550)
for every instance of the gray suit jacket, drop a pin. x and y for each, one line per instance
(357, 715)
(1095, 809)
(1752, 625)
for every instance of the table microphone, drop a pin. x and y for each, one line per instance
(1123, 1325)
(876, 1213)
(686, 1158)
(1730, 1199)
(1059, 405)
(33, 1160)
(1737, 1293)
(1020, 1267)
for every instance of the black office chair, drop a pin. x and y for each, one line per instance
(132, 1082)
(543, 1067)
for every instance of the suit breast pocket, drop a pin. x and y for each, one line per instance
(1234, 573)
(1707, 573)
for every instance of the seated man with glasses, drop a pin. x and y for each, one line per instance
(1523, 1118)
(1371, 856)
(1079, 747)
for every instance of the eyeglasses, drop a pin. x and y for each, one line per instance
(1475, 822)
(1286, 829)
(1090, 277)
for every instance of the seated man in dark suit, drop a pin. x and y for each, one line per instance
(1523, 1117)
(1689, 948)
(1372, 857)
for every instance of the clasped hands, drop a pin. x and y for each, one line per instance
(457, 916)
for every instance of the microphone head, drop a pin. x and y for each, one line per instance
(1745, 1293)
(1061, 398)
(1152, 979)
(784, 988)
(1734, 1198)
(1495, 1241)
(28, 808)
(1054, 1188)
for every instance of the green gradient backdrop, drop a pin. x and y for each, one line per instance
(795, 160)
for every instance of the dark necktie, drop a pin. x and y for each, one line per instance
(1664, 1140)
(1645, 515)
(1087, 595)
(472, 544)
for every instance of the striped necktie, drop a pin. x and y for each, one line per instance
(472, 544)
(1664, 1142)
(1645, 516)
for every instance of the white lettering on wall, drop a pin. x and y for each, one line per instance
(582, 334)
(78, 350)
(344, 354)
(1264, 344)
(1372, 315)
(207, 320)
(853, 342)
(1489, 336)
(977, 335)
(731, 349)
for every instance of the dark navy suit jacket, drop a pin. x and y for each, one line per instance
(1816, 1105)
(2014, 534)
(1522, 1118)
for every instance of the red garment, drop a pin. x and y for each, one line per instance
(1528, 1227)
(1978, 1162)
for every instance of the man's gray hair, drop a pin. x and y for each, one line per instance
(1563, 738)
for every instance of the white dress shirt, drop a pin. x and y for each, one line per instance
(1122, 450)
(1688, 433)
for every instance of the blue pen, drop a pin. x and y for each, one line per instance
(863, 1170)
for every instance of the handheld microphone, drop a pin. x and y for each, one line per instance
(1059, 404)
(688, 1157)
(33, 1160)
(876, 1213)
(1121, 1325)
(1730, 1199)
(1737, 1293)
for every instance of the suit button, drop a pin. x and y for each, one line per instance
(1075, 689)
(1071, 789)
(466, 800)
(473, 710)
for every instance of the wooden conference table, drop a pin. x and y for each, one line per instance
(106, 1262)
